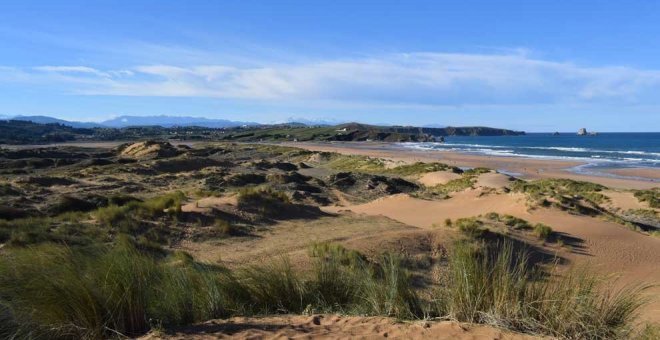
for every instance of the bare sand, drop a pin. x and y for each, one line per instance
(523, 167)
(624, 200)
(437, 177)
(334, 327)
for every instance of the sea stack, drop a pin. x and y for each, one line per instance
(582, 132)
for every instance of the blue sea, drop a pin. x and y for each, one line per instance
(605, 150)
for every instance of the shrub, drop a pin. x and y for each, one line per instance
(448, 222)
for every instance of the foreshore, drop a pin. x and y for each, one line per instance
(629, 178)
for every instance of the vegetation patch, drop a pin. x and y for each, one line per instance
(652, 197)
(264, 201)
(470, 226)
(58, 292)
(498, 286)
(566, 194)
(455, 185)
(542, 231)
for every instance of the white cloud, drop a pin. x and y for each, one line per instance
(432, 79)
(72, 69)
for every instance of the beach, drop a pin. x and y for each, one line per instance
(528, 168)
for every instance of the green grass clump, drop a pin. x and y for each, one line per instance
(476, 171)
(127, 216)
(265, 201)
(55, 292)
(542, 231)
(644, 213)
(499, 286)
(470, 226)
(514, 222)
(566, 194)
(356, 163)
(561, 187)
(454, 185)
(651, 196)
(417, 168)
(69, 228)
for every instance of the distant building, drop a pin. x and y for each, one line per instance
(582, 132)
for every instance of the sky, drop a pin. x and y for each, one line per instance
(527, 65)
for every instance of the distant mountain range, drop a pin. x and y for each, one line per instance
(126, 121)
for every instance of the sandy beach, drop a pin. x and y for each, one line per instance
(631, 178)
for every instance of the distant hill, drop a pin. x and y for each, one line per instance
(125, 121)
(170, 121)
(26, 132)
(357, 132)
(51, 120)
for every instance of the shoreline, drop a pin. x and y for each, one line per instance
(529, 168)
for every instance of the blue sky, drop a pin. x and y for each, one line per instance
(531, 65)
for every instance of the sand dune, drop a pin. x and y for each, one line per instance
(493, 180)
(608, 248)
(426, 213)
(437, 177)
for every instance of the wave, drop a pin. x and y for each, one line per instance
(521, 149)
(597, 155)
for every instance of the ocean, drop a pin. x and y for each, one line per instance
(605, 150)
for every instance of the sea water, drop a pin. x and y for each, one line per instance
(605, 150)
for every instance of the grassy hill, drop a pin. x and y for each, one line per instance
(24, 132)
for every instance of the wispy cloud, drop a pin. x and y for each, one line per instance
(433, 79)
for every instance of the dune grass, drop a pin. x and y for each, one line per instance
(263, 200)
(55, 292)
(51, 291)
(651, 196)
(499, 286)
(566, 194)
